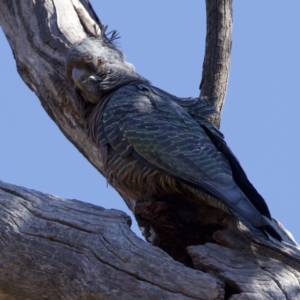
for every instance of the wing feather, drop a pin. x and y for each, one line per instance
(165, 135)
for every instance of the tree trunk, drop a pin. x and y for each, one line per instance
(53, 248)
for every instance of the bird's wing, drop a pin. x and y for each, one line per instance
(163, 134)
(201, 109)
(238, 173)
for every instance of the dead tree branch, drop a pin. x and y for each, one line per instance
(216, 62)
(53, 248)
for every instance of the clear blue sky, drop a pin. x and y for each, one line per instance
(165, 42)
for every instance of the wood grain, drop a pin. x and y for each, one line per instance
(54, 248)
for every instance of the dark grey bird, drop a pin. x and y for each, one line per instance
(156, 144)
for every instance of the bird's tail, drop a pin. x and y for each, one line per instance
(272, 232)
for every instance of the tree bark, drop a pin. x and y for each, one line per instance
(53, 248)
(216, 62)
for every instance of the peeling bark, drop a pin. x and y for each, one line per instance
(52, 248)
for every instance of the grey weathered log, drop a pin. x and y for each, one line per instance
(251, 270)
(53, 248)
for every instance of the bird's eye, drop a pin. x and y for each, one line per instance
(100, 62)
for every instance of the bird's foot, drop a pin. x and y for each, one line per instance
(143, 217)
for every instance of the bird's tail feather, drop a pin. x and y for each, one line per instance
(272, 232)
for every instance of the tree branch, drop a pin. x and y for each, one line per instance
(216, 62)
(40, 33)
(53, 248)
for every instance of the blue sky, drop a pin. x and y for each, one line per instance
(165, 42)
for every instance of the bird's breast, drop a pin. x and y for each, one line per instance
(135, 181)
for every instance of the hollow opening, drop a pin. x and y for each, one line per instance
(231, 289)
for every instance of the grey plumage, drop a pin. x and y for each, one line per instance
(156, 143)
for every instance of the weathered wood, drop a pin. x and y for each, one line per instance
(216, 62)
(250, 270)
(53, 248)
(40, 33)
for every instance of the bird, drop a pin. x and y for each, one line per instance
(154, 144)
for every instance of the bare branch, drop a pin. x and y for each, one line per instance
(53, 248)
(216, 62)
(40, 34)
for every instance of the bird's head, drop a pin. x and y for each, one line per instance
(97, 67)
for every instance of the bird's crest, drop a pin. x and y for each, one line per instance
(110, 36)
